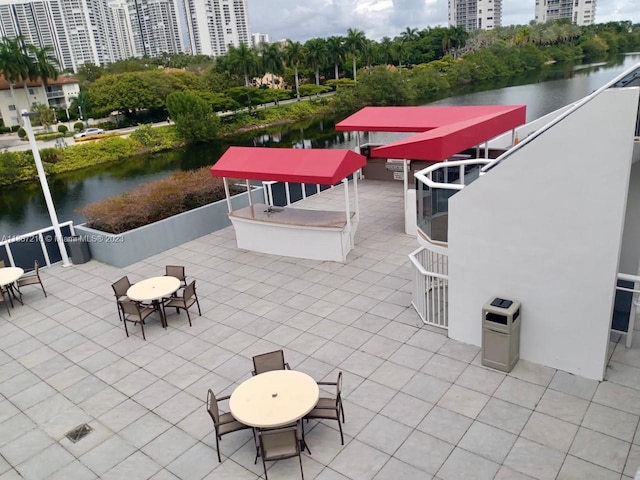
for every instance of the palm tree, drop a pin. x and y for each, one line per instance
(384, 49)
(45, 63)
(316, 55)
(294, 55)
(354, 43)
(335, 48)
(271, 60)
(409, 35)
(9, 69)
(242, 61)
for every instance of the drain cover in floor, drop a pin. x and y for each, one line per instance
(79, 433)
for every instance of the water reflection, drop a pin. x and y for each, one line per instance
(23, 209)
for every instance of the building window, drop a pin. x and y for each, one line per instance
(12, 108)
(32, 91)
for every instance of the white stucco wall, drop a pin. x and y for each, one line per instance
(545, 227)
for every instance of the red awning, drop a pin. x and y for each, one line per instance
(324, 167)
(445, 131)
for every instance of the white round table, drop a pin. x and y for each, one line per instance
(8, 275)
(274, 399)
(154, 290)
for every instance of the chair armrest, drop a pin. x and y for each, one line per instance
(226, 397)
(327, 383)
(286, 365)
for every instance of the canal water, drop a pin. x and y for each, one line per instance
(22, 209)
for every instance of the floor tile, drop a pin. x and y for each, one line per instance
(573, 385)
(577, 469)
(550, 431)
(610, 421)
(463, 401)
(425, 387)
(563, 406)
(488, 442)
(406, 409)
(372, 395)
(445, 368)
(138, 465)
(384, 434)
(107, 455)
(600, 449)
(535, 460)
(424, 452)
(45, 463)
(463, 464)
(370, 461)
(533, 373)
(395, 469)
(480, 379)
(519, 392)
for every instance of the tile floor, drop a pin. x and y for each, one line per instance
(418, 405)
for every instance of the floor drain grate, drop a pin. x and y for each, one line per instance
(79, 433)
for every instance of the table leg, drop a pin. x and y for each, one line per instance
(13, 291)
(163, 320)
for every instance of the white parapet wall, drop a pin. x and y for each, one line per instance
(544, 227)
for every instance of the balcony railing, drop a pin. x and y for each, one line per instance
(41, 245)
(434, 186)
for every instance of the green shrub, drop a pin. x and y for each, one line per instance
(194, 119)
(22, 132)
(5, 129)
(63, 129)
(50, 155)
(155, 201)
(341, 82)
(78, 126)
(15, 128)
(48, 136)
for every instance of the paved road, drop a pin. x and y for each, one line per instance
(11, 142)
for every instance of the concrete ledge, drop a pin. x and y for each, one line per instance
(129, 247)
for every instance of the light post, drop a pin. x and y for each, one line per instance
(45, 187)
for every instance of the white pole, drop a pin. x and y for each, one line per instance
(45, 188)
(345, 182)
(249, 192)
(355, 191)
(227, 194)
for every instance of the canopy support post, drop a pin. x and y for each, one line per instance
(357, 143)
(345, 182)
(355, 191)
(405, 171)
(249, 192)
(227, 194)
(486, 149)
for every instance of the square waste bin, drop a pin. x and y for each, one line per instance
(78, 250)
(501, 334)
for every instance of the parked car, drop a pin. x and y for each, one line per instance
(87, 132)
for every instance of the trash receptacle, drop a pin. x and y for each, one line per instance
(78, 250)
(501, 334)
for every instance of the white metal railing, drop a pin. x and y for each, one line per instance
(635, 303)
(40, 234)
(426, 175)
(430, 294)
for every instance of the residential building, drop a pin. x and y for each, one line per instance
(78, 31)
(258, 38)
(57, 94)
(580, 12)
(475, 14)
(213, 25)
(154, 26)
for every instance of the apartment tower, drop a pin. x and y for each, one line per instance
(475, 14)
(213, 25)
(580, 12)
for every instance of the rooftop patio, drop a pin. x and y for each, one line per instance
(417, 405)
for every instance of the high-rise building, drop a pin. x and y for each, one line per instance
(154, 26)
(213, 25)
(475, 14)
(258, 38)
(580, 12)
(78, 31)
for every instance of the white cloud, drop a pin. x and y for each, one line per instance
(301, 21)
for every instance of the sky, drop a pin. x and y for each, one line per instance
(301, 20)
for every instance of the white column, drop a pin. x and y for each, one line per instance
(45, 188)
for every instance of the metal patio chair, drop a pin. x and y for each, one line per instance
(178, 272)
(189, 297)
(120, 288)
(267, 362)
(279, 444)
(330, 408)
(134, 312)
(32, 278)
(222, 423)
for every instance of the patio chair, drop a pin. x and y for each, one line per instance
(134, 312)
(120, 288)
(267, 362)
(330, 408)
(279, 444)
(32, 278)
(178, 272)
(189, 297)
(5, 291)
(222, 423)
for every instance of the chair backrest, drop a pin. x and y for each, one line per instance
(338, 387)
(175, 271)
(279, 443)
(267, 362)
(36, 267)
(189, 291)
(130, 308)
(212, 408)
(121, 286)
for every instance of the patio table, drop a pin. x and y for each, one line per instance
(274, 399)
(8, 275)
(153, 290)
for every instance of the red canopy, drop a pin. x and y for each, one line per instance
(446, 130)
(325, 167)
